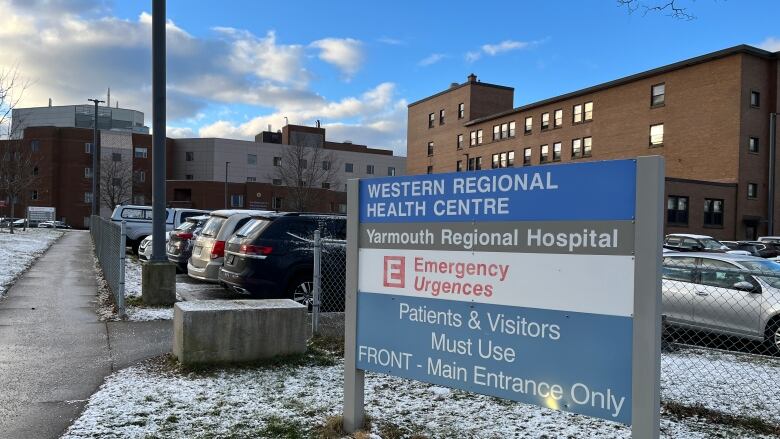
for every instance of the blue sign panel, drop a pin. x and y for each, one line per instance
(583, 191)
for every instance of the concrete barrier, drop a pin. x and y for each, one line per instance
(237, 331)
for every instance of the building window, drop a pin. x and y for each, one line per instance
(431, 120)
(348, 167)
(587, 145)
(755, 99)
(88, 197)
(475, 163)
(557, 151)
(544, 154)
(504, 130)
(479, 137)
(141, 153)
(496, 164)
(752, 190)
(658, 94)
(429, 170)
(459, 166)
(588, 111)
(512, 129)
(370, 169)
(753, 144)
(117, 157)
(236, 200)
(277, 161)
(496, 132)
(510, 159)
(303, 163)
(527, 156)
(441, 117)
(276, 182)
(251, 179)
(325, 165)
(677, 210)
(430, 149)
(189, 177)
(503, 160)
(189, 156)
(576, 148)
(558, 118)
(713, 212)
(657, 135)
(529, 125)
(391, 171)
(34, 195)
(577, 113)
(251, 159)
(35, 145)
(87, 148)
(545, 121)
(87, 172)
(277, 202)
(35, 171)
(460, 141)
(140, 176)
(473, 138)
(326, 185)
(461, 110)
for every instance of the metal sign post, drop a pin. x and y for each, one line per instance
(493, 282)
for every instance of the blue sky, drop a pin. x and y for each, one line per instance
(238, 65)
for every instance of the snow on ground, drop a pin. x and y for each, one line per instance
(152, 401)
(20, 250)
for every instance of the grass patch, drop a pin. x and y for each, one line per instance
(389, 430)
(333, 428)
(332, 345)
(749, 423)
(278, 427)
(134, 301)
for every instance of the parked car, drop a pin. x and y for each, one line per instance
(179, 248)
(683, 242)
(705, 291)
(208, 250)
(747, 247)
(272, 255)
(769, 239)
(755, 248)
(53, 225)
(138, 221)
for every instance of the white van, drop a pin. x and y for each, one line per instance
(138, 221)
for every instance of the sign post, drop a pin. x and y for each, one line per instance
(535, 284)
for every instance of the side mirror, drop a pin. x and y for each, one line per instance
(746, 286)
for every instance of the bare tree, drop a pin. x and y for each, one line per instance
(18, 171)
(116, 182)
(671, 7)
(306, 165)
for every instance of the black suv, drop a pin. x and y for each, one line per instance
(272, 256)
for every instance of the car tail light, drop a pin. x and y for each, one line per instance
(184, 235)
(249, 249)
(218, 250)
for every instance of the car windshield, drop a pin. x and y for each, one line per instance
(770, 267)
(212, 226)
(185, 226)
(252, 227)
(711, 244)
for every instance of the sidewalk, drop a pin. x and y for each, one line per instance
(54, 353)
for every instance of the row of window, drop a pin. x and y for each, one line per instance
(677, 211)
(432, 116)
(303, 164)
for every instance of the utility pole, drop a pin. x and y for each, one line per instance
(95, 162)
(772, 158)
(226, 184)
(158, 135)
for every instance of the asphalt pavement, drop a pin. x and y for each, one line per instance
(54, 353)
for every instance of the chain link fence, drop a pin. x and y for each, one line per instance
(329, 277)
(109, 240)
(721, 336)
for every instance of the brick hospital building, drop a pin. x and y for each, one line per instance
(708, 116)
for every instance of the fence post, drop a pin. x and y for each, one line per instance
(120, 300)
(316, 284)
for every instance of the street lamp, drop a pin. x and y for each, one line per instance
(95, 161)
(226, 184)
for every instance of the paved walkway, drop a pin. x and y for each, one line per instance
(54, 353)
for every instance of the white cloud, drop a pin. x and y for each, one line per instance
(344, 53)
(771, 44)
(504, 46)
(390, 41)
(179, 132)
(431, 59)
(472, 56)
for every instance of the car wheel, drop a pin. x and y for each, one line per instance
(301, 290)
(773, 336)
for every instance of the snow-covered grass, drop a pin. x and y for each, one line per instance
(156, 400)
(19, 250)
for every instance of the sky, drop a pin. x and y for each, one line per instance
(237, 66)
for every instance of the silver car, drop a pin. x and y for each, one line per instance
(208, 250)
(711, 292)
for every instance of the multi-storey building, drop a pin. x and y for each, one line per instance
(78, 116)
(708, 116)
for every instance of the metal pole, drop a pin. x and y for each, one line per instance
(772, 157)
(158, 136)
(316, 283)
(354, 378)
(226, 184)
(95, 162)
(120, 299)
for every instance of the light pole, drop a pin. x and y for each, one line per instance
(158, 135)
(95, 161)
(226, 184)
(772, 158)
